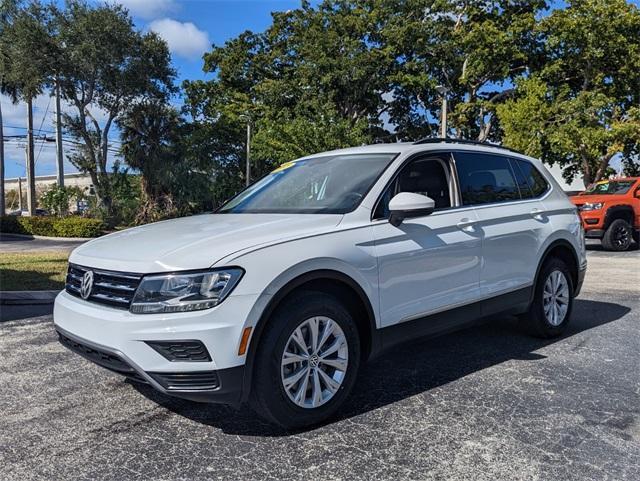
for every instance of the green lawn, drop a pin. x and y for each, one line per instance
(23, 271)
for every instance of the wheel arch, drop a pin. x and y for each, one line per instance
(324, 280)
(624, 212)
(562, 249)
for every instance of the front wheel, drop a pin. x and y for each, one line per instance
(307, 361)
(618, 236)
(550, 311)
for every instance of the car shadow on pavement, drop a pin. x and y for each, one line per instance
(409, 369)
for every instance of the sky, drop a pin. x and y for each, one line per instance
(190, 27)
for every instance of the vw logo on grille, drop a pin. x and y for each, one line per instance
(87, 284)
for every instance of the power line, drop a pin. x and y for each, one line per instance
(41, 124)
(111, 140)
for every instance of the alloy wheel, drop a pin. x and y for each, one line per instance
(314, 362)
(555, 298)
(621, 236)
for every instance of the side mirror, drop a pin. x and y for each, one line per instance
(638, 193)
(407, 204)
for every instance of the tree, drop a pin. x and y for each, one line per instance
(104, 66)
(150, 144)
(314, 80)
(8, 9)
(25, 65)
(582, 107)
(474, 48)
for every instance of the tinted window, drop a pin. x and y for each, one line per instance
(331, 184)
(535, 180)
(485, 178)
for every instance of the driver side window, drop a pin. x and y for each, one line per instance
(428, 176)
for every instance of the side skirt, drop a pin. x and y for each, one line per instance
(515, 302)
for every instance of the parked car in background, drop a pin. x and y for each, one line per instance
(279, 297)
(610, 211)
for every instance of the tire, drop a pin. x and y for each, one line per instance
(618, 236)
(298, 406)
(540, 321)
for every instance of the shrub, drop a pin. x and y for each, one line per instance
(56, 199)
(52, 226)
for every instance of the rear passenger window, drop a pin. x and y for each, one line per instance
(485, 178)
(535, 180)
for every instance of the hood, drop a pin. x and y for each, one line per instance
(592, 199)
(195, 242)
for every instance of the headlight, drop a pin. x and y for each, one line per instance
(184, 292)
(595, 206)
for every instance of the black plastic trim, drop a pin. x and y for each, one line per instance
(456, 318)
(187, 350)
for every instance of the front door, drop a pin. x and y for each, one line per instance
(431, 263)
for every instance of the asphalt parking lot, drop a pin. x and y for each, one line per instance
(488, 403)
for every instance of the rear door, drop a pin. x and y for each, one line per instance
(510, 217)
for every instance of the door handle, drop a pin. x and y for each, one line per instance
(466, 224)
(537, 214)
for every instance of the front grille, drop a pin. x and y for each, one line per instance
(187, 381)
(190, 351)
(102, 358)
(111, 288)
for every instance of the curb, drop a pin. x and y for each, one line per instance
(43, 237)
(20, 298)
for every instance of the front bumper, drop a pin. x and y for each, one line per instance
(119, 340)
(593, 233)
(224, 386)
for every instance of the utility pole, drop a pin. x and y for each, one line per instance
(20, 194)
(59, 153)
(2, 206)
(248, 174)
(443, 91)
(31, 169)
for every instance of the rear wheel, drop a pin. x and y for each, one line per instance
(550, 311)
(618, 236)
(307, 361)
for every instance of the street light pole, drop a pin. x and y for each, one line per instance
(248, 166)
(443, 91)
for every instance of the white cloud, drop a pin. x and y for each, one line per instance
(149, 9)
(184, 39)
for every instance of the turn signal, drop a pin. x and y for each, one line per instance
(244, 342)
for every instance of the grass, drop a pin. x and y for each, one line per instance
(25, 271)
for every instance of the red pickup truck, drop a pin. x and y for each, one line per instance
(610, 211)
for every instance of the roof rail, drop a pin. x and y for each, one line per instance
(437, 140)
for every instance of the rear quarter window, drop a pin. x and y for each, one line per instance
(535, 181)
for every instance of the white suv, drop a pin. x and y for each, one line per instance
(279, 297)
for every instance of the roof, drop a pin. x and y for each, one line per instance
(425, 146)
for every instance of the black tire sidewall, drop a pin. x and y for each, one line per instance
(538, 319)
(607, 239)
(268, 394)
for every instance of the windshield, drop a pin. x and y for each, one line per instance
(333, 184)
(610, 187)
